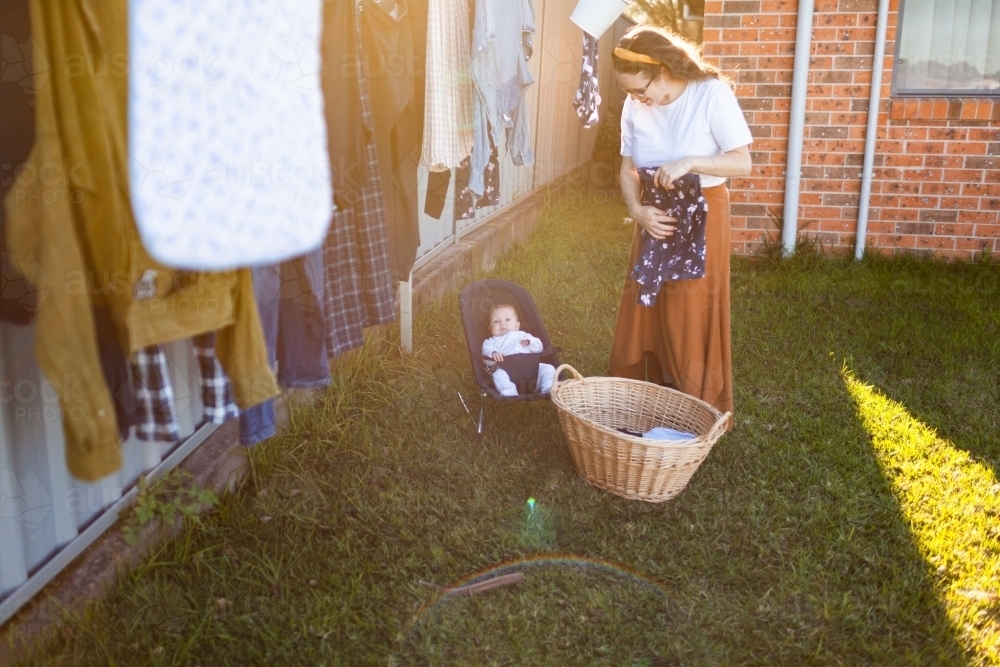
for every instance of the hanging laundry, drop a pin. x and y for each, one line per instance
(217, 401)
(501, 45)
(117, 372)
(359, 287)
(82, 245)
(466, 201)
(290, 301)
(386, 41)
(437, 192)
(682, 255)
(588, 95)
(228, 164)
(449, 90)
(18, 88)
(157, 415)
(156, 404)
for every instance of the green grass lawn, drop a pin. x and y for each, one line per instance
(851, 518)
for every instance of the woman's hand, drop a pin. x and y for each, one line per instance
(671, 171)
(657, 223)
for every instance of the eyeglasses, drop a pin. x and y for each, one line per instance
(637, 93)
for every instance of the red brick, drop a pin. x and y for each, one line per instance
(885, 201)
(911, 201)
(981, 190)
(977, 217)
(940, 188)
(837, 225)
(984, 134)
(819, 212)
(896, 240)
(944, 161)
(953, 229)
(945, 133)
(908, 133)
(922, 175)
(760, 20)
(966, 147)
(837, 19)
(925, 147)
(902, 187)
(988, 231)
(972, 243)
(936, 242)
(956, 203)
(984, 109)
(904, 160)
(962, 175)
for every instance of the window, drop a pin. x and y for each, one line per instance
(948, 48)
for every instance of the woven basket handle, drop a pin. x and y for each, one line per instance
(719, 427)
(566, 367)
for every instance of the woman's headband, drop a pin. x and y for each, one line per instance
(634, 57)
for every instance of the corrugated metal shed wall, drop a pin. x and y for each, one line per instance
(43, 509)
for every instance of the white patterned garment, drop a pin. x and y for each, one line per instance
(449, 88)
(228, 162)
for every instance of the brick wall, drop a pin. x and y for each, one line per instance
(936, 185)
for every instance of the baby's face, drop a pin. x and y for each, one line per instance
(503, 320)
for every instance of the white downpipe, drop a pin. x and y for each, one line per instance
(873, 103)
(796, 126)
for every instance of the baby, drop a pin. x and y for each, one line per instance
(506, 338)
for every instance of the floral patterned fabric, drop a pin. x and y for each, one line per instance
(677, 257)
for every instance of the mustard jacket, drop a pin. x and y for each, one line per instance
(70, 228)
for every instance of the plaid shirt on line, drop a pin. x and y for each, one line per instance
(155, 395)
(360, 291)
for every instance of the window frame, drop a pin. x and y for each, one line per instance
(927, 92)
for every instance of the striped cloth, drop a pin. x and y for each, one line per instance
(217, 399)
(359, 291)
(157, 419)
(449, 89)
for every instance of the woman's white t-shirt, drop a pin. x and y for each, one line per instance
(705, 120)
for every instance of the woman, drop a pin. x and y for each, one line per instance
(680, 117)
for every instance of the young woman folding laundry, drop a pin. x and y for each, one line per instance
(683, 134)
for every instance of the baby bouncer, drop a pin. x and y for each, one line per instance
(475, 303)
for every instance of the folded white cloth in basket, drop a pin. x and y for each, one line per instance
(664, 433)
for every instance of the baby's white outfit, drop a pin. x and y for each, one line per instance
(510, 343)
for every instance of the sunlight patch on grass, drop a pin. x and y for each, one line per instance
(952, 505)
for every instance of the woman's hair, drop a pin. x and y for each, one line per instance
(680, 57)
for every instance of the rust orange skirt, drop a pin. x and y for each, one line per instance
(684, 338)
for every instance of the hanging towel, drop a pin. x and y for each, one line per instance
(677, 257)
(588, 95)
(501, 45)
(228, 163)
(449, 89)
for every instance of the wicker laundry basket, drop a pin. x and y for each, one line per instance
(590, 409)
